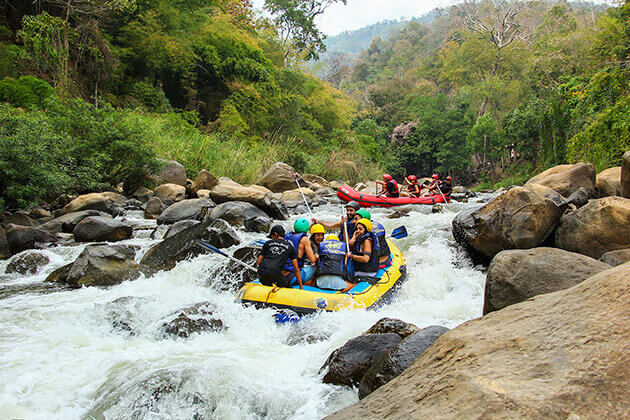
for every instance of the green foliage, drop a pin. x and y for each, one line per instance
(26, 92)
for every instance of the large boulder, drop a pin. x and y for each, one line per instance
(609, 182)
(392, 325)
(170, 193)
(566, 179)
(615, 258)
(399, 358)
(195, 208)
(232, 276)
(103, 265)
(347, 364)
(40, 213)
(517, 275)
(625, 175)
(548, 193)
(28, 263)
(166, 254)
(194, 319)
(600, 226)
(280, 177)
(261, 197)
(20, 238)
(143, 194)
(96, 229)
(4, 245)
(204, 181)
(294, 197)
(315, 179)
(237, 213)
(177, 227)
(558, 355)
(171, 172)
(517, 219)
(20, 218)
(106, 202)
(67, 222)
(154, 208)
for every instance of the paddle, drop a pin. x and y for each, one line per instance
(209, 247)
(399, 233)
(438, 187)
(295, 176)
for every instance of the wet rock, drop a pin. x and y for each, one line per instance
(20, 238)
(347, 364)
(204, 181)
(437, 208)
(517, 275)
(40, 213)
(60, 275)
(101, 229)
(170, 193)
(517, 219)
(122, 313)
(103, 265)
(181, 246)
(194, 319)
(566, 179)
(177, 227)
(106, 202)
(28, 263)
(154, 208)
(274, 207)
(280, 178)
(143, 194)
(195, 208)
(609, 182)
(258, 224)
(160, 231)
(133, 204)
(20, 218)
(601, 226)
(232, 276)
(301, 336)
(67, 222)
(557, 355)
(172, 172)
(392, 325)
(4, 245)
(579, 197)
(625, 175)
(615, 258)
(236, 213)
(398, 358)
(400, 212)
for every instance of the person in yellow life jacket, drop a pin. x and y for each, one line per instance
(389, 186)
(433, 188)
(413, 187)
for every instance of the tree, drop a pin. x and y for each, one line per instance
(295, 20)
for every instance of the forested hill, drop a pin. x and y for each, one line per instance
(485, 100)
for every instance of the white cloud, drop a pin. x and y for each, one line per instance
(359, 13)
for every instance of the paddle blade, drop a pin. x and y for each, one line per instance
(259, 242)
(399, 233)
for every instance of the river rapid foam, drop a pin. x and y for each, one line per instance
(63, 358)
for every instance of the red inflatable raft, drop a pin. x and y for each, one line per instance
(347, 193)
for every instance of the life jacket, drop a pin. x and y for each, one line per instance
(295, 239)
(372, 265)
(379, 232)
(395, 190)
(351, 228)
(332, 255)
(412, 189)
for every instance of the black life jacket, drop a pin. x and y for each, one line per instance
(393, 187)
(379, 232)
(295, 239)
(332, 255)
(372, 265)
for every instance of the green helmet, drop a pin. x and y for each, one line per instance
(364, 214)
(301, 226)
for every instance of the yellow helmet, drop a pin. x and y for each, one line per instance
(332, 238)
(366, 223)
(317, 229)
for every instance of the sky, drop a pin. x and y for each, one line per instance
(359, 13)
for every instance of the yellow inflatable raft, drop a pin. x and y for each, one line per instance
(311, 299)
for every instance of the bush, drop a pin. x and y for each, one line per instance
(26, 92)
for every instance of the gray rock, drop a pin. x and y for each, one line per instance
(20, 218)
(347, 364)
(154, 208)
(177, 227)
(195, 208)
(392, 325)
(4, 245)
(28, 263)
(280, 177)
(517, 275)
(67, 222)
(579, 197)
(204, 181)
(106, 202)
(143, 194)
(39, 213)
(615, 258)
(103, 265)
(97, 229)
(181, 246)
(399, 358)
(60, 275)
(193, 320)
(232, 276)
(236, 213)
(20, 238)
(258, 224)
(172, 172)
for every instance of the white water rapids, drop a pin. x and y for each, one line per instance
(61, 357)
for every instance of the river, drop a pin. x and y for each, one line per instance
(62, 358)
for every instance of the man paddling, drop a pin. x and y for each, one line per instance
(273, 256)
(351, 209)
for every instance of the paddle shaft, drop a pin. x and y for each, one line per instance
(303, 197)
(438, 187)
(229, 257)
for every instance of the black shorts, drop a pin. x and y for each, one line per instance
(279, 279)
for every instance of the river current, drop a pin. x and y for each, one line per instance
(61, 357)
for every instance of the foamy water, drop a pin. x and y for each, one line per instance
(63, 358)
